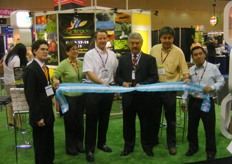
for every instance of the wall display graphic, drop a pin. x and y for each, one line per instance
(76, 27)
(121, 32)
(105, 21)
(46, 28)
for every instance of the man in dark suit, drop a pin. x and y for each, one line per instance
(137, 68)
(211, 51)
(38, 92)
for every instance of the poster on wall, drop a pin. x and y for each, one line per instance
(105, 21)
(46, 28)
(121, 32)
(76, 27)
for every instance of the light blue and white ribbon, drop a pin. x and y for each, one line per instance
(99, 88)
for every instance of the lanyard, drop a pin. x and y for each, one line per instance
(162, 61)
(103, 63)
(199, 79)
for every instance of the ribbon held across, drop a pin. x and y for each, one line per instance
(99, 88)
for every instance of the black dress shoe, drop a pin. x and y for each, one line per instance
(210, 157)
(105, 148)
(90, 157)
(149, 153)
(190, 152)
(125, 153)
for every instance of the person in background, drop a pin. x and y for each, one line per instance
(207, 75)
(100, 66)
(39, 94)
(70, 71)
(211, 50)
(194, 44)
(15, 58)
(10, 47)
(137, 68)
(172, 67)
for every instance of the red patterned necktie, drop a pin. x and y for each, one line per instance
(134, 61)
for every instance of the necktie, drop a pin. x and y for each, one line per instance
(134, 61)
(45, 71)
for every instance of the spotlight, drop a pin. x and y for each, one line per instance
(156, 13)
(30, 14)
(75, 11)
(115, 10)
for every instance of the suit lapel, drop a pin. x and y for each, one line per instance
(40, 71)
(141, 60)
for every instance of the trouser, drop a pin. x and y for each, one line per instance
(138, 103)
(74, 124)
(167, 100)
(208, 119)
(43, 140)
(98, 108)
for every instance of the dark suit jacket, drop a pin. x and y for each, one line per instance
(211, 51)
(146, 70)
(40, 106)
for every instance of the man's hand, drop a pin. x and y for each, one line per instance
(40, 123)
(106, 84)
(126, 84)
(208, 89)
(186, 80)
(137, 85)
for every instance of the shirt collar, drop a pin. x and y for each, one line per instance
(203, 66)
(39, 62)
(168, 50)
(100, 51)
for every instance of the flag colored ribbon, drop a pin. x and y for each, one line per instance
(99, 88)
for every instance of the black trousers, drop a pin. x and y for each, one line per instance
(98, 108)
(208, 119)
(43, 140)
(138, 103)
(74, 124)
(167, 100)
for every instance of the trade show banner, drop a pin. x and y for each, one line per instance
(69, 4)
(105, 21)
(122, 31)
(46, 28)
(142, 24)
(76, 27)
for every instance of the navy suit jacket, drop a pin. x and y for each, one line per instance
(40, 105)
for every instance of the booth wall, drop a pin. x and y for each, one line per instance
(179, 13)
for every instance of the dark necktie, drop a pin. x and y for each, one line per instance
(134, 61)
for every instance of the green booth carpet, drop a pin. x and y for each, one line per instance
(115, 140)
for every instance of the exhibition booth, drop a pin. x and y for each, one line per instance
(79, 25)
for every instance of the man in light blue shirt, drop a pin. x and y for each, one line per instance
(207, 75)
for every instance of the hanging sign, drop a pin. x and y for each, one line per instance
(213, 20)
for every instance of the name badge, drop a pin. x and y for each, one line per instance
(161, 71)
(133, 75)
(49, 90)
(105, 74)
